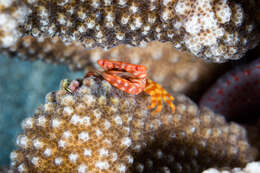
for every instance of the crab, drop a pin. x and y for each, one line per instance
(132, 78)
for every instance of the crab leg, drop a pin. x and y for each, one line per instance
(158, 94)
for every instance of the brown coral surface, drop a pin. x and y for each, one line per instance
(215, 30)
(99, 128)
(211, 29)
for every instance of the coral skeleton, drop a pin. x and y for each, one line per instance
(99, 128)
(215, 30)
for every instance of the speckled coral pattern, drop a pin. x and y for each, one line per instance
(99, 128)
(215, 30)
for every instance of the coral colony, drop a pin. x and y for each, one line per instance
(100, 128)
(119, 118)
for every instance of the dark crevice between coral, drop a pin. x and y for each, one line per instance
(179, 157)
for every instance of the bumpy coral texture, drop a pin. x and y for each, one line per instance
(215, 30)
(252, 167)
(176, 71)
(236, 92)
(99, 128)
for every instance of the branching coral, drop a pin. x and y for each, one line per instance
(216, 30)
(98, 128)
(252, 167)
(235, 92)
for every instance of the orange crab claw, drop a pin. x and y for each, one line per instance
(130, 78)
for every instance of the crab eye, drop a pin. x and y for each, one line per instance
(65, 85)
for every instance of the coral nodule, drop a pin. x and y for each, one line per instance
(99, 128)
(215, 30)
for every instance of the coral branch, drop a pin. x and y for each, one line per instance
(98, 128)
(215, 30)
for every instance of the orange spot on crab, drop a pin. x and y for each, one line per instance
(132, 78)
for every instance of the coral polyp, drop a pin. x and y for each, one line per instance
(99, 128)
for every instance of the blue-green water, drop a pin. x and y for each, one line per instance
(23, 86)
